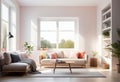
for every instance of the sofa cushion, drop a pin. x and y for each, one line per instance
(60, 54)
(47, 56)
(7, 58)
(73, 55)
(23, 55)
(15, 58)
(53, 55)
(80, 54)
(16, 67)
(43, 55)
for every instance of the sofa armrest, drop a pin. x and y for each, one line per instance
(86, 58)
(40, 59)
(1, 64)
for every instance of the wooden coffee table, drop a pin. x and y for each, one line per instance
(63, 62)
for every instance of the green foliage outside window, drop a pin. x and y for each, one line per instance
(62, 44)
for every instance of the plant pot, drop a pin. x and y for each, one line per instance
(118, 68)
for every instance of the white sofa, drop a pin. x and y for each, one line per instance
(64, 55)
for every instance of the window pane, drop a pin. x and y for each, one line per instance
(66, 39)
(66, 25)
(48, 39)
(13, 40)
(4, 12)
(4, 34)
(48, 25)
(13, 17)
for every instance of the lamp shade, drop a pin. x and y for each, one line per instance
(10, 35)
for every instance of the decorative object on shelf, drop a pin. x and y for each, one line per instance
(115, 49)
(28, 48)
(106, 34)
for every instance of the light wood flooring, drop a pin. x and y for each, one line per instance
(111, 76)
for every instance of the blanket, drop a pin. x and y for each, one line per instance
(31, 62)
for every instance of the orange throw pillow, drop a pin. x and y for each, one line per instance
(80, 54)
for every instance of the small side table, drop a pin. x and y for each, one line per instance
(93, 62)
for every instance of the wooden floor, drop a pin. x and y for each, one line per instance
(111, 76)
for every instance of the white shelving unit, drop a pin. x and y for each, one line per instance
(106, 34)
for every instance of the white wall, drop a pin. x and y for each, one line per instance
(87, 22)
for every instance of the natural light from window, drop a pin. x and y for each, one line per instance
(57, 33)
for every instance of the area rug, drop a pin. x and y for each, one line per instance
(65, 73)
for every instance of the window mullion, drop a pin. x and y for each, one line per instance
(57, 34)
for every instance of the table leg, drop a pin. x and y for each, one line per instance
(54, 68)
(70, 67)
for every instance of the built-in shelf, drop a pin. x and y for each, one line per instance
(108, 11)
(107, 20)
(106, 32)
(106, 29)
(106, 39)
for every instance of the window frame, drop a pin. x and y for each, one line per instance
(76, 30)
(10, 28)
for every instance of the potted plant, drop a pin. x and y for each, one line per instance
(106, 34)
(28, 48)
(94, 53)
(115, 49)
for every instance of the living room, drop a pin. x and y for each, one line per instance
(27, 21)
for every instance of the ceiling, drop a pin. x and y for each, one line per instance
(58, 2)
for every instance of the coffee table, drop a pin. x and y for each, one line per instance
(63, 62)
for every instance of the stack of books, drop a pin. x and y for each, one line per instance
(60, 61)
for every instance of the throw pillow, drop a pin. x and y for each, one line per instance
(7, 58)
(43, 55)
(60, 54)
(47, 56)
(15, 58)
(73, 55)
(80, 54)
(53, 56)
(23, 55)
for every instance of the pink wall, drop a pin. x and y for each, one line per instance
(87, 22)
(0, 25)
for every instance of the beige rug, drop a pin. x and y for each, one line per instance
(65, 73)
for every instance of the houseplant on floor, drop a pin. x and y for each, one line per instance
(115, 49)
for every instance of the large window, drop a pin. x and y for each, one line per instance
(57, 33)
(8, 23)
(13, 29)
(5, 28)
